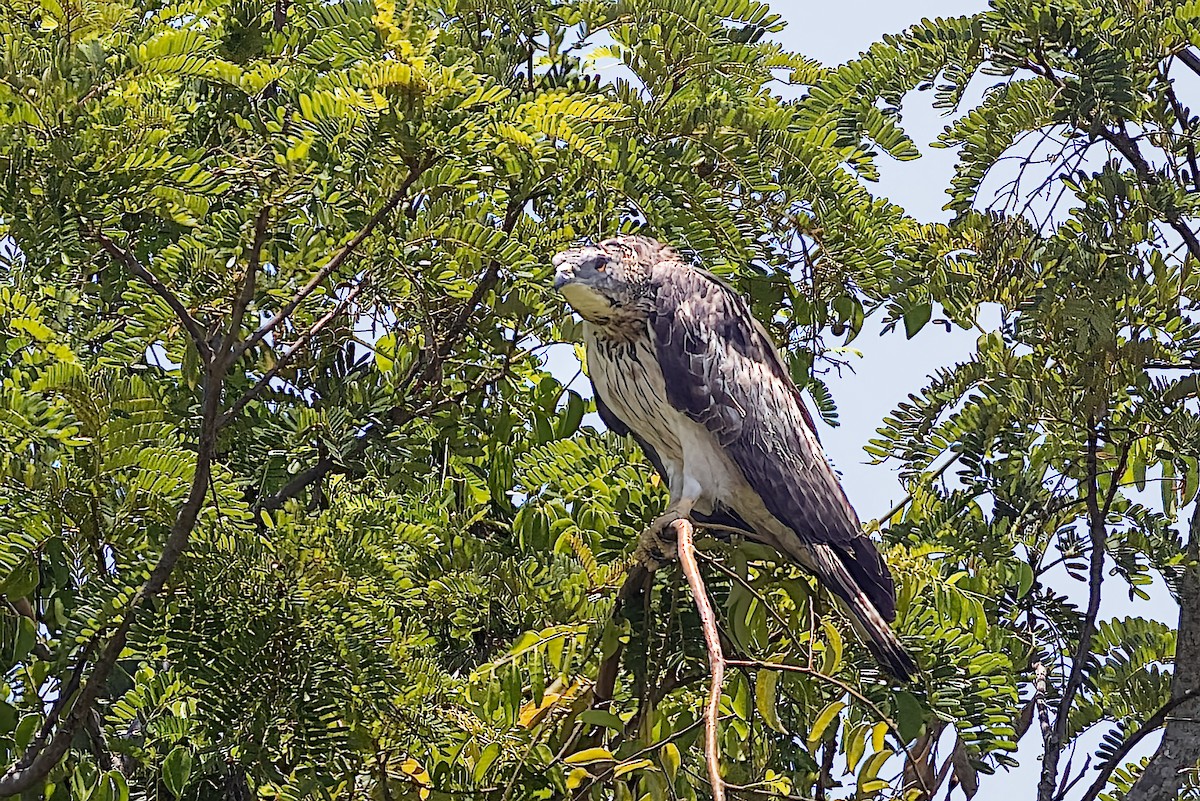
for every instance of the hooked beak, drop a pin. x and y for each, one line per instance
(564, 269)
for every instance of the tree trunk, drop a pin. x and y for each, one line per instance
(1179, 751)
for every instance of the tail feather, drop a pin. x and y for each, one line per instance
(868, 622)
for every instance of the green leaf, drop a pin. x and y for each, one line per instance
(22, 580)
(915, 318)
(8, 717)
(23, 733)
(766, 697)
(910, 717)
(486, 759)
(1024, 579)
(870, 768)
(176, 768)
(602, 717)
(111, 786)
(833, 653)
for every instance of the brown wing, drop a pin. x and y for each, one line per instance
(722, 370)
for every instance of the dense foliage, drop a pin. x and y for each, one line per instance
(292, 507)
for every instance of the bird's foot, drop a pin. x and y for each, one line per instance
(657, 546)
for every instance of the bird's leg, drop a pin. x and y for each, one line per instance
(655, 547)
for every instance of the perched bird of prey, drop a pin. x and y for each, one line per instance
(677, 360)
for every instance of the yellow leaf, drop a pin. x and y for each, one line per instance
(878, 735)
(827, 716)
(577, 777)
(671, 759)
(590, 755)
(765, 697)
(630, 767)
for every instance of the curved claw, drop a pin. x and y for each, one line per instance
(656, 547)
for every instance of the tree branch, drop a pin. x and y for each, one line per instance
(189, 323)
(1098, 533)
(37, 763)
(246, 295)
(875, 525)
(1190, 60)
(1127, 147)
(291, 351)
(418, 377)
(1150, 725)
(1179, 750)
(415, 171)
(716, 657)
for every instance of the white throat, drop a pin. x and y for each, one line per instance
(590, 304)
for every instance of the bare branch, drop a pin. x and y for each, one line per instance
(875, 525)
(1098, 534)
(716, 658)
(1190, 60)
(131, 263)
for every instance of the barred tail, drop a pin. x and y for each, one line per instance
(864, 616)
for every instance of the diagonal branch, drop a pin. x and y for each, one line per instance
(190, 323)
(1127, 147)
(1190, 59)
(420, 375)
(1150, 725)
(1098, 533)
(37, 763)
(286, 357)
(416, 169)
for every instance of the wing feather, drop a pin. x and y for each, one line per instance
(723, 371)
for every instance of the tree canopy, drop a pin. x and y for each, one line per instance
(293, 507)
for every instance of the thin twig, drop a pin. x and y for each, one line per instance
(875, 525)
(246, 294)
(716, 658)
(1098, 534)
(291, 351)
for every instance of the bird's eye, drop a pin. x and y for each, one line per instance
(602, 267)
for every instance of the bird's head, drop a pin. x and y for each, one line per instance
(609, 282)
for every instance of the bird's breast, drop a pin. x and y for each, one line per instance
(627, 376)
